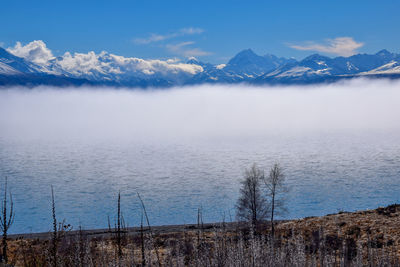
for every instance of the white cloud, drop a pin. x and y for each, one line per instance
(80, 63)
(35, 51)
(153, 37)
(184, 50)
(152, 66)
(104, 65)
(342, 46)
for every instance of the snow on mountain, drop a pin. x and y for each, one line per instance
(392, 67)
(309, 68)
(317, 68)
(6, 69)
(13, 65)
(211, 73)
(245, 66)
(15, 70)
(34, 63)
(104, 66)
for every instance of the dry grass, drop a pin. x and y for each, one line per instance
(345, 239)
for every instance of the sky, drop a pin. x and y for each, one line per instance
(213, 31)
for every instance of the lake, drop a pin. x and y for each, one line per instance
(186, 149)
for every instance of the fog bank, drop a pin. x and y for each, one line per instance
(204, 111)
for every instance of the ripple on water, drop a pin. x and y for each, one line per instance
(325, 174)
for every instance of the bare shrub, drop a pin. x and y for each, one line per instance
(6, 219)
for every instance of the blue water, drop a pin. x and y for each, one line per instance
(325, 172)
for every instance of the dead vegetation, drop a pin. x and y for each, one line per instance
(365, 238)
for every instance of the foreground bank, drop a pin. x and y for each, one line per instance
(344, 239)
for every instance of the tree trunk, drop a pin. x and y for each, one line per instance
(4, 241)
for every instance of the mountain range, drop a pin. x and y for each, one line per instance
(113, 70)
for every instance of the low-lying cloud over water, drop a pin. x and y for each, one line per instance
(199, 111)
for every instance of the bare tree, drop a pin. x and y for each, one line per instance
(276, 189)
(6, 220)
(142, 241)
(252, 206)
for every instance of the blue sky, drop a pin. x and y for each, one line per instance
(213, 31)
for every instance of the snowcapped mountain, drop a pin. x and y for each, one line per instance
(249, 65)
(19, 71)
(245, 66)
(12, 65)
(35, 64)
(317, 68)
(105, 67)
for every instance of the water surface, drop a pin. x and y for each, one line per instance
(183, 150)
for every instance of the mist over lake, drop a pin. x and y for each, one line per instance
(186, 148)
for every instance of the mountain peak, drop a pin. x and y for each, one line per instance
(192, 60)
(248, 50)
(383, 53)
(244, 56)
(315, 57)
(246, 53)
(249, 64)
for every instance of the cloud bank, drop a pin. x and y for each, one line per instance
(341, 46)
(35, 51)
(91, 65)
(199, 112)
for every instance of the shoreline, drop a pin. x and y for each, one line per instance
(179, 228)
